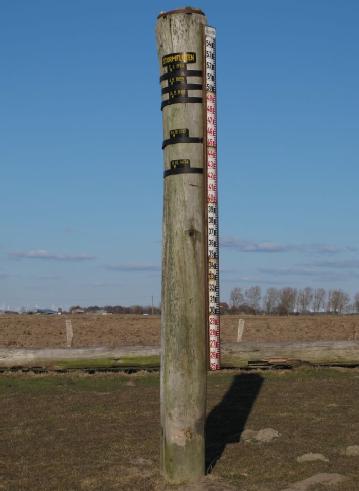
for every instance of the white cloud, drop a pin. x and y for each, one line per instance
(310, 272)
(274, 247)
(344, 264)
(251, 246)
(44, 254)
(132, 267)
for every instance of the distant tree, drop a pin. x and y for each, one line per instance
(356, 303)
(271, 300)
(114, 309)
(337, 301)
(236, 298)
(75, 307)
(92, 308)
(319, 295)
(252, 297)
(287, 301)
(349, 308)
(304, 299)
(136, 309)
(224, 308)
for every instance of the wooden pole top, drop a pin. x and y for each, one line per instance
(185, 10)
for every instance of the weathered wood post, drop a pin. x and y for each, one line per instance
(183, 321)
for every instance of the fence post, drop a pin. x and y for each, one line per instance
(183, 318)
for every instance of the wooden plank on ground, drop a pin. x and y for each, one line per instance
(233, 355)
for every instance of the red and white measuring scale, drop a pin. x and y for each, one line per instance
(212, 197)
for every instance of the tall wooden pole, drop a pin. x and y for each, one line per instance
(183, 320)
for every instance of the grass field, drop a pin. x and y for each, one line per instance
(101, 432)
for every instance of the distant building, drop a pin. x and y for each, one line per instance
(77, 310)
(45, 311)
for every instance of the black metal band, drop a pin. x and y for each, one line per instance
(181, 73)
(183, 86)
(179, 99)
(183, 170)
(181, 139)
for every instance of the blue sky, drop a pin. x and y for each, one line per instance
(81, 159)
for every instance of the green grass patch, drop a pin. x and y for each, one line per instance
(141, 361)
(45, 384)
(128, 361)
(86, 363)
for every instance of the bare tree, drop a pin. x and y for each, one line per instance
(271, 300)
(356, 303)
(349, 308)
(319, 299)
(337, 301)
(224, 308)
(304, 299)
(288, 299)
(236, 298)
(253, 297)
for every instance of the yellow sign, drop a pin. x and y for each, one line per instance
(187, 57)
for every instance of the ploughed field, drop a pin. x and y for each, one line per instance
(40, 331)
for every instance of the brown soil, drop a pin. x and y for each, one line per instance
(38, 331)
(81, 432)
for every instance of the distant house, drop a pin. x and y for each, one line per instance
(45, 311)
(77, 310)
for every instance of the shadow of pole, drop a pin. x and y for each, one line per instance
(227, 420)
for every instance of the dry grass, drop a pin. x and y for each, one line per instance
(101, 432)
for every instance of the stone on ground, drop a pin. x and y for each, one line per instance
(351, 451)
(264, 435)
(267, 435)
(311, 457)
(248, 435)
(325, 479)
